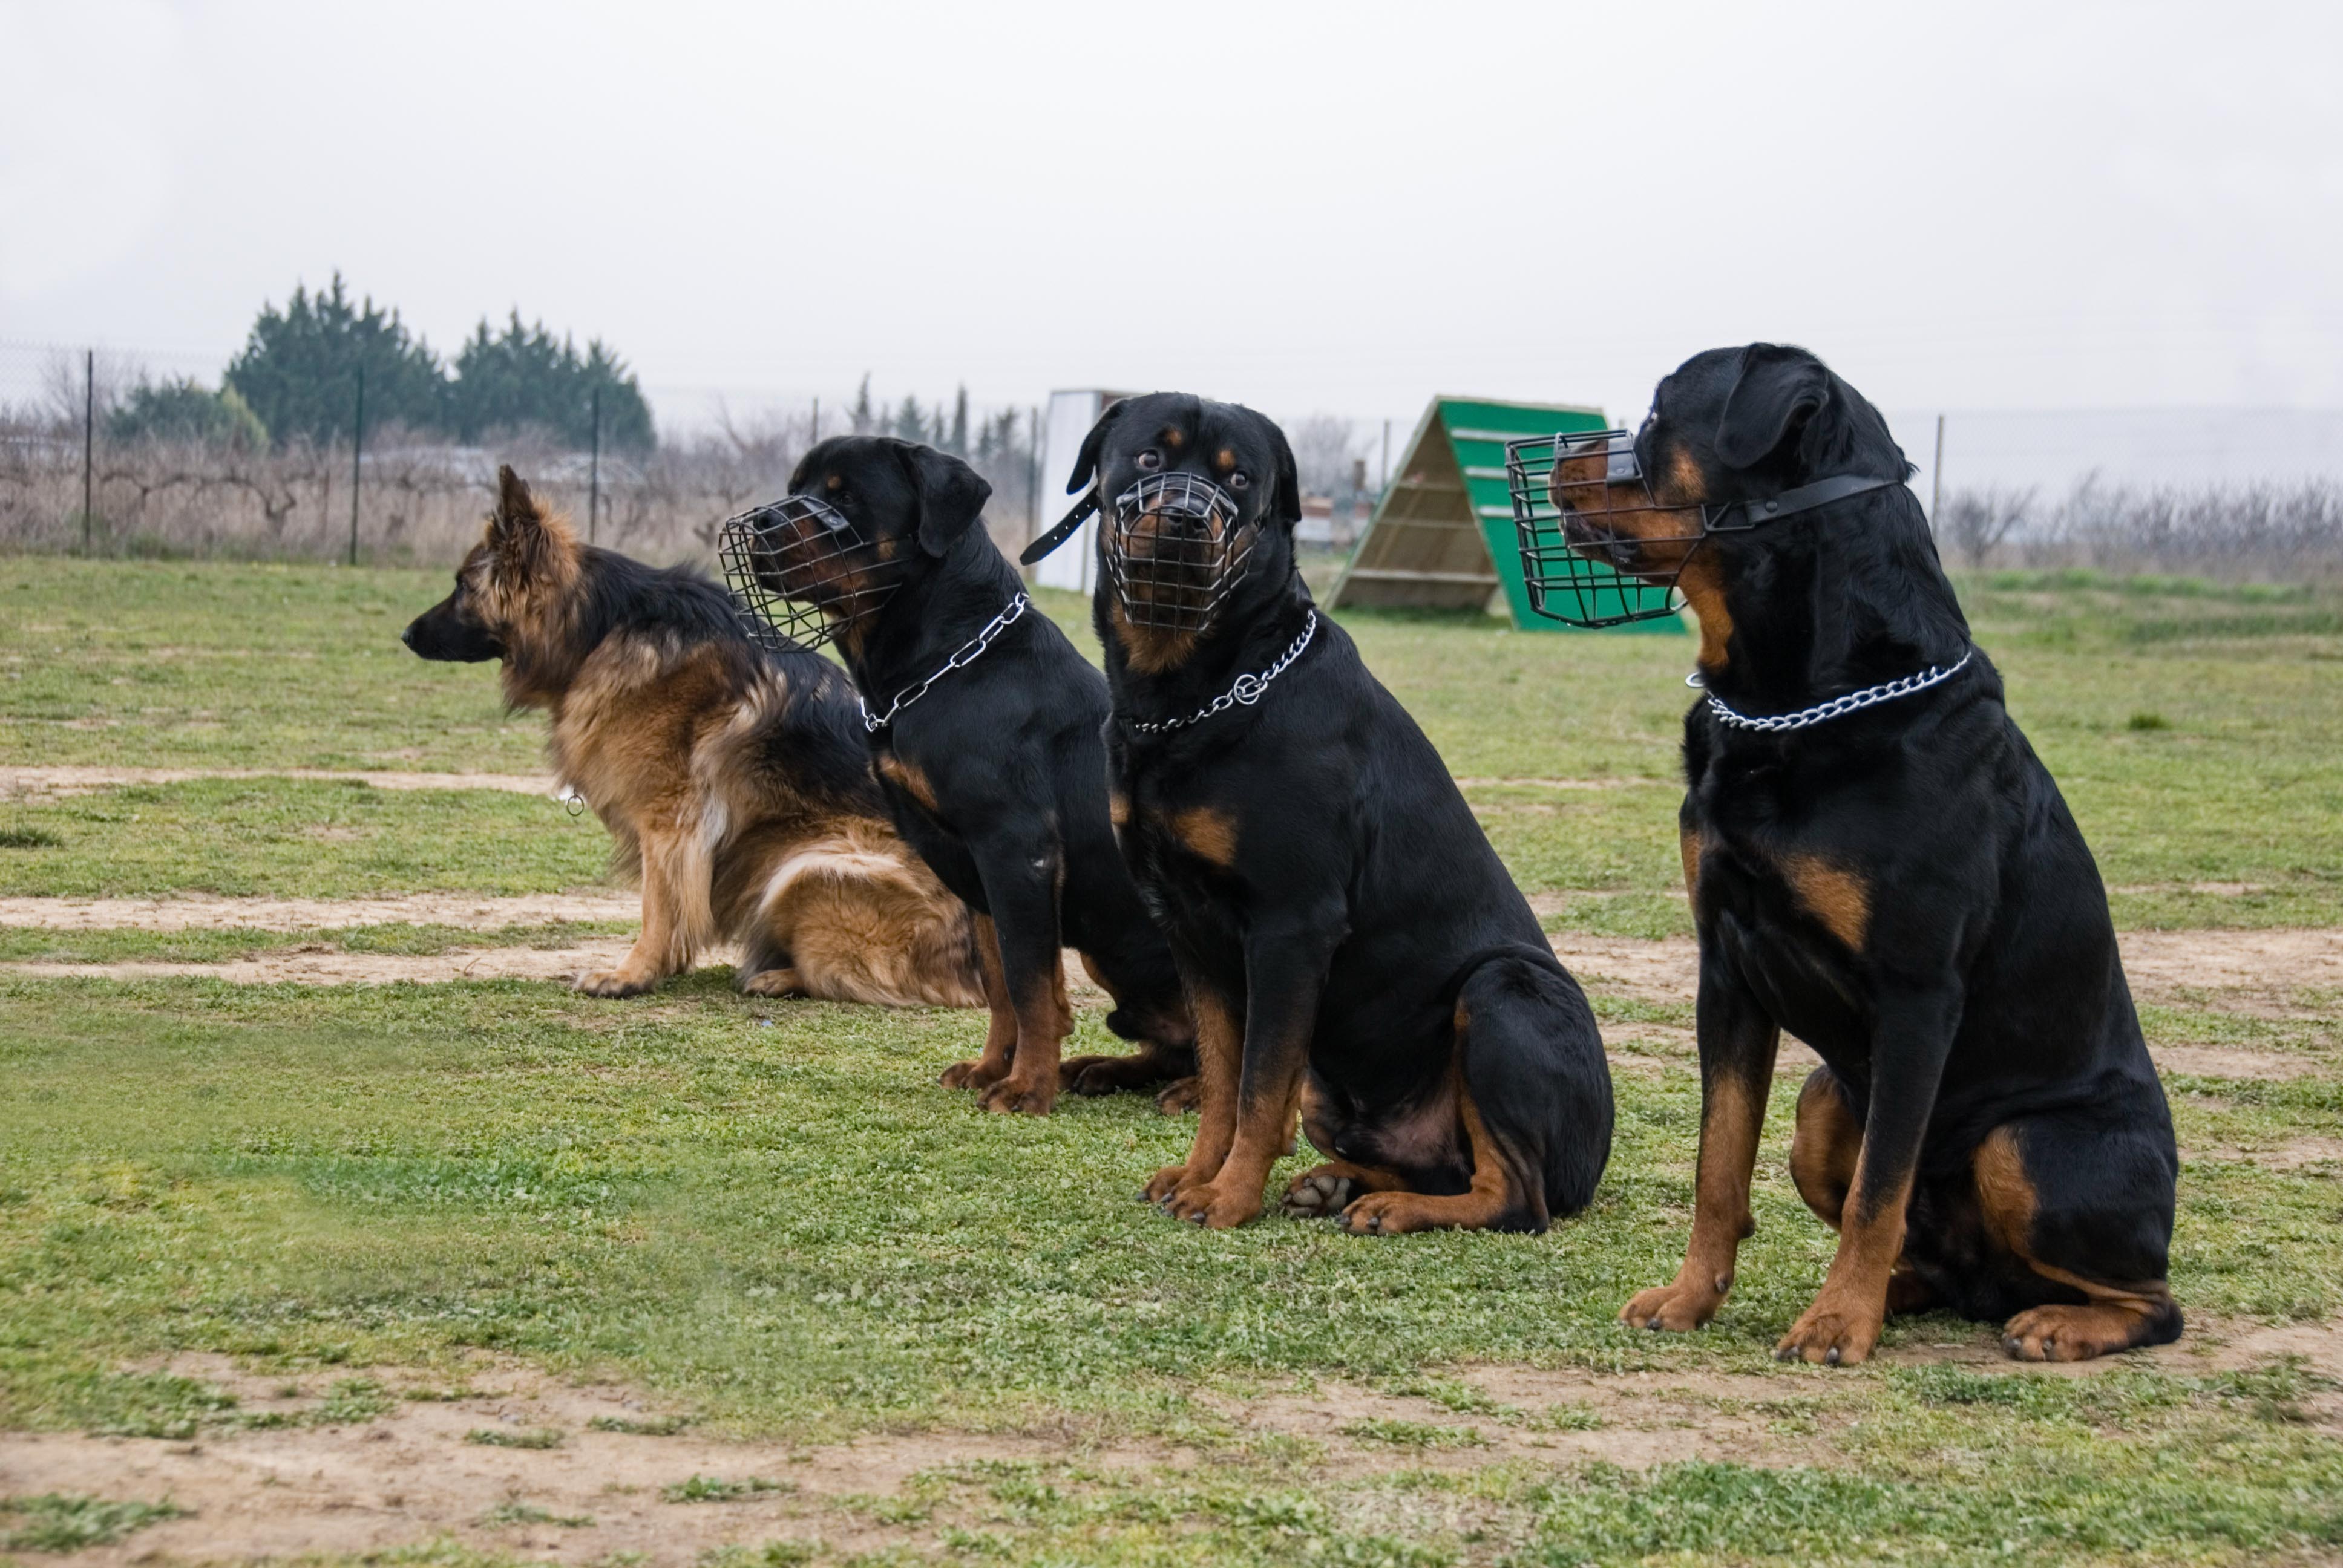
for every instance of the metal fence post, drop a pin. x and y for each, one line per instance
(594, 469)
(1937, 475)
(88, 444)
(358, 444)
(1034, 478)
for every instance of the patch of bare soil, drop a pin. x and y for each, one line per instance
(196, 912)
(1469, 782)
(2229, 1061)
(2243, 971)
(34, 782)
(2297, 1154)
(418, 1472)
(1661, 971)
(314, 964)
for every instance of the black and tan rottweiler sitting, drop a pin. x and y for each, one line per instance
(1352, 945)
(996, 769)
(1899, 884)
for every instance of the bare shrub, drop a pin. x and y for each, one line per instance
(2237, 532)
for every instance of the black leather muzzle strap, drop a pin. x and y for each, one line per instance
(1084, 510)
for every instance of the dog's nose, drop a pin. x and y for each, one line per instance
(408, 637)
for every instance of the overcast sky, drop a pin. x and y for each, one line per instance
(1333, 207)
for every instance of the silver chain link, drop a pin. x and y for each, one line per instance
(1247, 690)
(1838, 707)
(967, 654)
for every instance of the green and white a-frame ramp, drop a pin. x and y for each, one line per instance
(1442, 538)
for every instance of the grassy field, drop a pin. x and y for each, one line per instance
(766, 1216)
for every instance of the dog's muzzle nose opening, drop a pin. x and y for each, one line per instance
(803, 572)
(1176, 545)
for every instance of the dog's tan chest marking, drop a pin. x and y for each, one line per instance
(1207, 833)
(909, 780)
(1840, 899)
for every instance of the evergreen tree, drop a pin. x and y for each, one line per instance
(525, 377)
(298, 370)
(183, 410)
(910, 421)
(866, 418)
(957, 442)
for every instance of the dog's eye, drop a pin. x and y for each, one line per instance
(1237, 481)
(1151, 459)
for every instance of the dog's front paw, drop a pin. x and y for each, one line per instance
(1317, 1194)
(615, 983)
(1163, 1183)
(1834, 1332)
(1392, 1215)
(1180, 1096)
(1213, 1205)
(1677, 1307)
(1010, 1098)
(967, 1075)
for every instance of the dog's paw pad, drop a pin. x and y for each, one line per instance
(1316, 1195)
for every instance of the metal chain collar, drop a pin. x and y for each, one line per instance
(1247, 690)
(1837, 707)
(967, 653)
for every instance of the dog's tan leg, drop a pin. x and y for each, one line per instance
(1220, 1050)
(1738, 1046)
(675, 915)
(1001, 1031)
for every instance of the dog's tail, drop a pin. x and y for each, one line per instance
(1534, 1064)
(862, 918)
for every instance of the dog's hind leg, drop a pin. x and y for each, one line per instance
(1001, 1031)
(1167, 1049)
(1533, 1099)
(676, 917)
(2083, 1200)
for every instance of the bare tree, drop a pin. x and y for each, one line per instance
(1976, 522)
(1326, 450)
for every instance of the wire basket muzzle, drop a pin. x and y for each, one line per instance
(1598, 549)
(1174, 548)
(803, 572)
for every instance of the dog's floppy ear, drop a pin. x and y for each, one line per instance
(1285, 505)
(1777, 393)
(1086, 461)
(952, 495)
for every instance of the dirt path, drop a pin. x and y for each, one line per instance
(418, 1471)
(202, 912)
(33, 782)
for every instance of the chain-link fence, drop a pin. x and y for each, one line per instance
(107, 452)
(110, 453)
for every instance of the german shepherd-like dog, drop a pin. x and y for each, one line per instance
(733, 778)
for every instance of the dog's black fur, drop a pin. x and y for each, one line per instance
(998, 778)
(1351, 944)
(1903, 889)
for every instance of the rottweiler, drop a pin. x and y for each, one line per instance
(1878, 864)
(1352, 945)
(986, 728)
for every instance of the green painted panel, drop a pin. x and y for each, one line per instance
(1477, 434)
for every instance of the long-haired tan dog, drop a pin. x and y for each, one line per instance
(734, 779)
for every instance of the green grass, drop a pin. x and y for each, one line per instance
(2238, 783)
(56, 1521)
(791, 1231)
